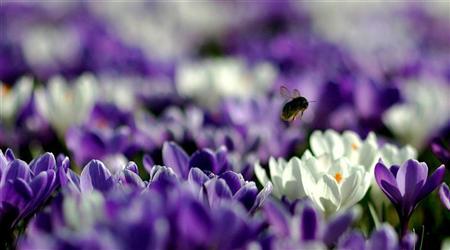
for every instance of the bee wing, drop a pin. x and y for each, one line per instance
(295, 93)
(284, 92)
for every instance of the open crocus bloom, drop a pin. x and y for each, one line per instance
(408, 185)
(64, 105)
(335, 175)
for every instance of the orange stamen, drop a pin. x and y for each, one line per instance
(5, 89)
(338, 177)
(354, 146)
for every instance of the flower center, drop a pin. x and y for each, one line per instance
(354, 146)
(4, 90)
(338, 177)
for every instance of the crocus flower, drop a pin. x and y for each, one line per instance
(305, 228)
(426, 100)
(63, 105)
(216, 189)
(107, 132)
(383, 237)
(152, 220)
(15, 97)
(407, 186)
(336, 177)
(176, 158)
(444, 194)
(24, 187)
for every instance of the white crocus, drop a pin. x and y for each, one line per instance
(64, 104)
(284, 176)
(336, 173)
(14, 98)
(393, 155)
(226, 77)
(348, 145)
(424, 113)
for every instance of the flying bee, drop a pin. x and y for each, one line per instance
(296, 105)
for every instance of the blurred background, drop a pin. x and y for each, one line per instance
(114, 80)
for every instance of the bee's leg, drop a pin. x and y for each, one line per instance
(301, 113)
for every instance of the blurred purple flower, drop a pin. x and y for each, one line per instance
(24, 187)
(217, 189)
(442, 153)
(444, 194)
(310, 228)
(384, 237)
(150, 220)
(407, 186)
(107, 132)
(207, 160)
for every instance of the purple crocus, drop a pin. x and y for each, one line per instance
(383, 237)
(216, 189)
(176, 158)
(407, 185)
(106, 133)
(96, 176)
(310, 230)
(24, 187)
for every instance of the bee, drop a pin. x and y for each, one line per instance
(296, 105)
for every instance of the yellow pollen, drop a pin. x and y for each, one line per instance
(5, 89)
(354, 146)
(338, 177)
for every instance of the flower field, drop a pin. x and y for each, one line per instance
(256, 125)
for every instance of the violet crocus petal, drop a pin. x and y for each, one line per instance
(217, 190)
(131, 166)
(95, 176)
(247, 195)
(194, 222)
(197, 176)
(222, 160)
(411, 178)
(384, 238)
(176, 158)
(44, 162)
(444, 194)
(131, 178)
(387, 183)
(148, 163)
(17, 193)
(70, 180)
(408, 241)
(337, 226)
(277, 218)
(9, 154)
(394, 170)
(262, 196)
(85, 145)
(354, 241)
(233, 179)
(17, 169)
(432, 183)
(309, 223)
(204, 159)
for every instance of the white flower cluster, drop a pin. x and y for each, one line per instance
(336, 173)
